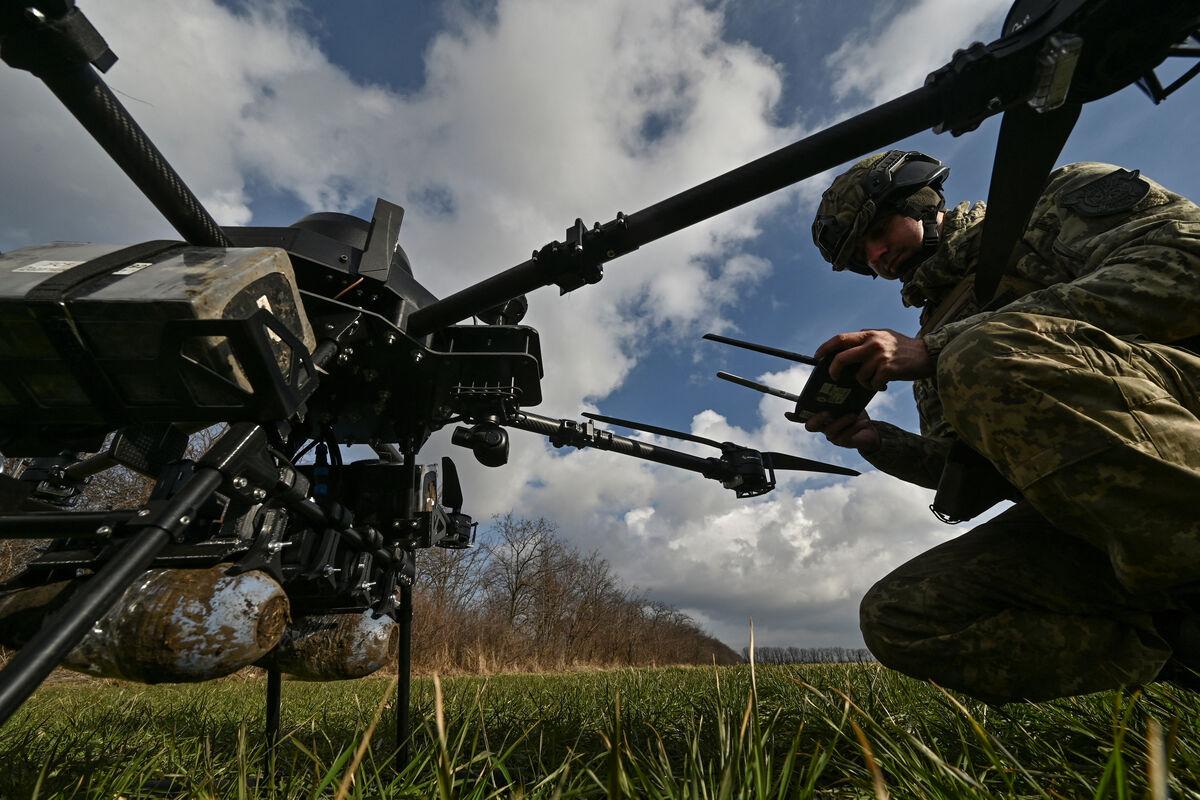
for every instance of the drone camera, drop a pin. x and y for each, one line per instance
(487, 440)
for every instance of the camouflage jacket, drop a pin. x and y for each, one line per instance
(1103, 245)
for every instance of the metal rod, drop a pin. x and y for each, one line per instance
(762, 348)
(404, 679)
(906, 115)
(1182, 79)
(758, 387)
(93, 597)
(92, 465)
(59, 524)
(404, 613)
(274, 701)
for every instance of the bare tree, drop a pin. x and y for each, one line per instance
(518, 558)
(528, 600)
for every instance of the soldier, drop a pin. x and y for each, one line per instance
(1074, 385)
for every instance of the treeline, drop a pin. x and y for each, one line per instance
(522, 598)
(808, 655)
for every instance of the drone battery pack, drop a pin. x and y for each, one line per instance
(821, 393)
(185, 334)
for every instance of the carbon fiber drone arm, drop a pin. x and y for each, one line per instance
(583, 433)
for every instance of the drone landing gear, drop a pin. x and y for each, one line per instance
(274, 698)
(403, 616)
(404, 679)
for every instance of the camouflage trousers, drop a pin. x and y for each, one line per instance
(1068, 591)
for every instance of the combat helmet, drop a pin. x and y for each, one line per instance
(896, 182)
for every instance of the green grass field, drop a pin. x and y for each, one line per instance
(783, 732)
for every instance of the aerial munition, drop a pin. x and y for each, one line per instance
(184, 625)
(388, 363)
(169, 626)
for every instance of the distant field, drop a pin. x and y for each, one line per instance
(815, 731)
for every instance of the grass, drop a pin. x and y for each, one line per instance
(853, 731)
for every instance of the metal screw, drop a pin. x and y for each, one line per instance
(329, 570)
(396, 523)
(239, 483)
(389, 339)
(417, 356)
(104, 530)
(145, 512)
(275, 547)
(366, 584)
(185, 520)
(258, 494)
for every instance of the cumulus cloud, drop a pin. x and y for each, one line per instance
(903, 44)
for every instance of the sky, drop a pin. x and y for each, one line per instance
(495, 123)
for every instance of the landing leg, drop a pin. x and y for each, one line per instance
(404, 614)
(274, 697)
(404, 671)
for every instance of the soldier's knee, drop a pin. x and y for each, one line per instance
(974, 368)
(879, 615)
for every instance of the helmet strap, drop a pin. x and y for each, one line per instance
(930, 238)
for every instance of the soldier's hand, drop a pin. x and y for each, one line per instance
(847, 430)
(875, 357)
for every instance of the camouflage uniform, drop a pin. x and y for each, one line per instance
(1072, 391)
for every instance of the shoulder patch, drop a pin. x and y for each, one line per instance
(1118, 191)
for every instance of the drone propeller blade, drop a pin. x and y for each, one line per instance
(758, 387)
(786, 461)
(641, 426)
(762, 348)
(1029, 144)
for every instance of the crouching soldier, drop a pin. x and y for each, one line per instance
(1076, 392)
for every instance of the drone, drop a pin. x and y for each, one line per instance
(305, 338)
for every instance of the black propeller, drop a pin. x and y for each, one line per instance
(771, 459)
(786, 461)
(642, 426)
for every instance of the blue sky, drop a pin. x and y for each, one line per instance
(497, 123)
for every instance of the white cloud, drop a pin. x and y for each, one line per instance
(899, 49)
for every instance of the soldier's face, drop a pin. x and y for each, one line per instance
(889, 244)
